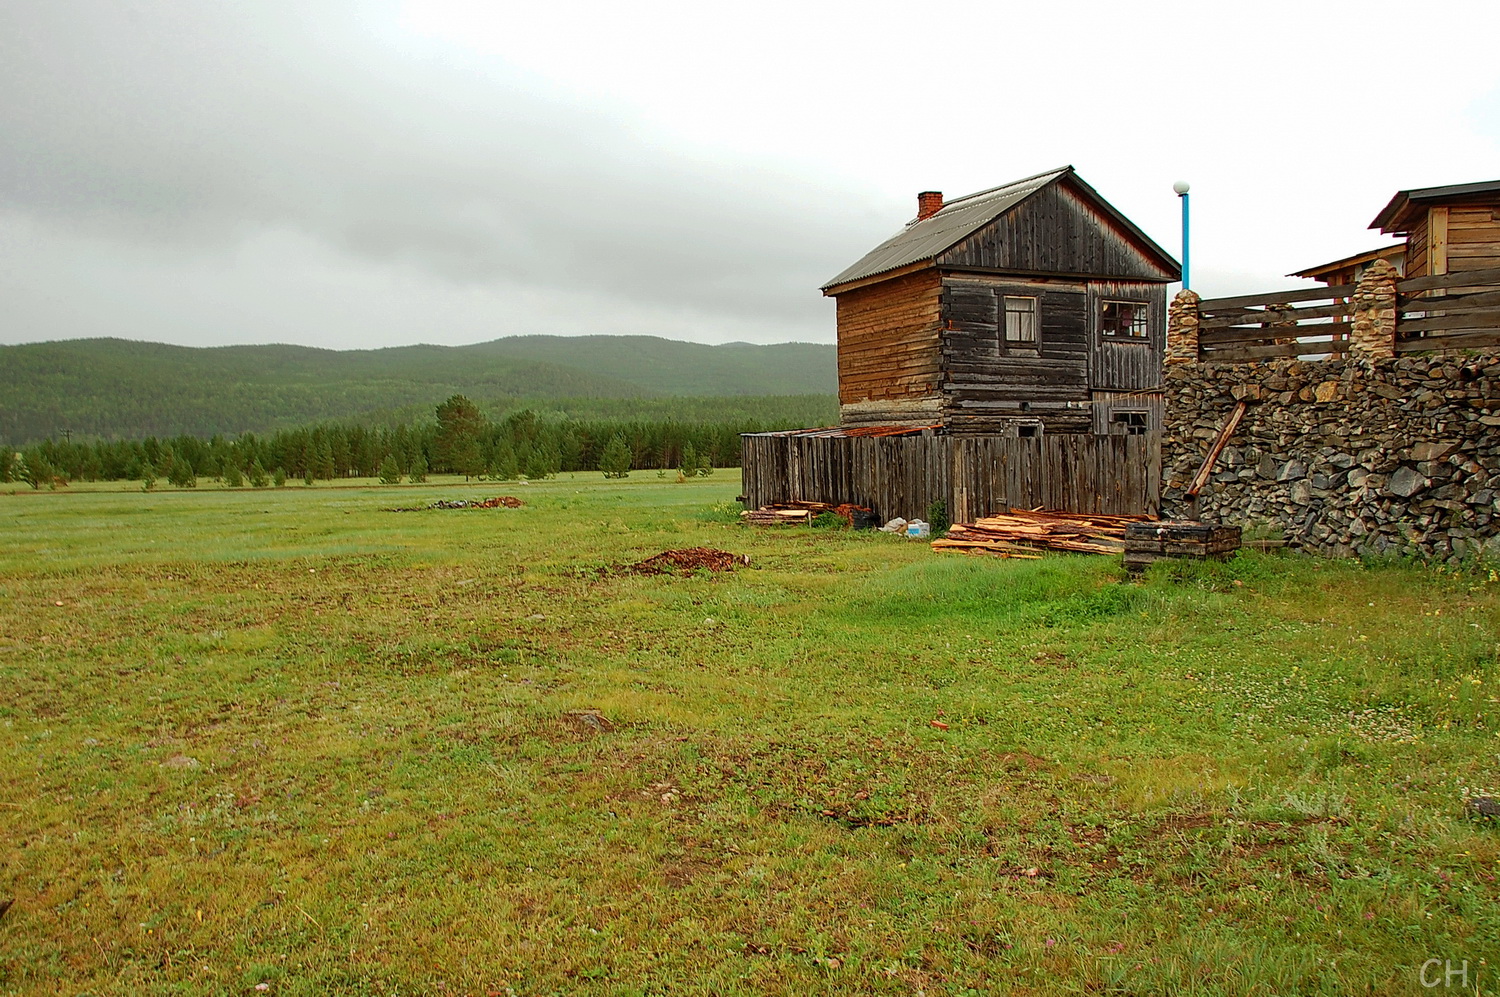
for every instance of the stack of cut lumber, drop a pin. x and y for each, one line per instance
(772, 515)
(797, 511)
(1012, 533)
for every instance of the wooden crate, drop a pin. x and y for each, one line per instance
(1146, 543)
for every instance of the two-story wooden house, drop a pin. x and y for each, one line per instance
(1031, 309)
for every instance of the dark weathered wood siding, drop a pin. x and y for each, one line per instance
(1055, 231)
(992, 387)
(1120, 364)
(903, 476)
(889, 367)
(1105, 405)
(1417, 264)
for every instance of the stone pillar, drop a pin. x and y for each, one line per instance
(1182, 328)
(1372, 326)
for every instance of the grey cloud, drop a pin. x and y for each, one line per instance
(189, 128)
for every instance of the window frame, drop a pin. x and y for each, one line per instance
(1029, 429)
(1123, 417)
(1035, 342)
(1126, 337)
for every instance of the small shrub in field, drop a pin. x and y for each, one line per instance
(937, 517)
(419, 469)
(232, 476)
(390, 474)
(258, 476)
(148, 477)
(278, 476)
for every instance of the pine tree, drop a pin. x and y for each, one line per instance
(258, 476)
(323, 460)
(456, 447)
(390, 474)
(614, 461)
(541, 463)
(419, 468)
(689, 467)
(278, 476)
(232, 476)
(503, 464)
(180, 474)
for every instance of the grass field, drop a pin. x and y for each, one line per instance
(286, 742)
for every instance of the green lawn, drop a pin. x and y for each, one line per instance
(285, 737)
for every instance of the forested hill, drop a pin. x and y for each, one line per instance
(118, 388)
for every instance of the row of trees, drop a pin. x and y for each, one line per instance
(460, 441)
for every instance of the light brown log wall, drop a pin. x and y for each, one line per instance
(1473, 238)
(975, 476)
(888, 339)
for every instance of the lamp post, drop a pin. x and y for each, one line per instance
(1181, 187)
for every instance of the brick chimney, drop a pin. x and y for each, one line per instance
(929, 203)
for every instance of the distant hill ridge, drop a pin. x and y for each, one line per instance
(128, 389)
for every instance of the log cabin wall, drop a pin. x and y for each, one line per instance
(888, 359)
(1063, 244)
(997, 387)
(1123, 363)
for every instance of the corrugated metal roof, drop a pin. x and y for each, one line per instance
(922, 240)
(839, 432)
(1387, 220)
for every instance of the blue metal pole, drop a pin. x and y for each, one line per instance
(1185, 279)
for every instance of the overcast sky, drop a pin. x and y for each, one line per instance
(360, 174)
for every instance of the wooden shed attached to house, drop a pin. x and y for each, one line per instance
(1350, 268)
(1031, 309)
(1448, 229)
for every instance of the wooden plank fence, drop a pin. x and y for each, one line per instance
(1261, 326)
(1450, 311)
(974, 476)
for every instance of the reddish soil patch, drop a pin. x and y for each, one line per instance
(686, 561)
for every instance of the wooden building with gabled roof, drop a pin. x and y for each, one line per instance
(1350, 268)
(1448, 229)
(1029, 309)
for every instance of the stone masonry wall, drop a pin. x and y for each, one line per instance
(1344, 456)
